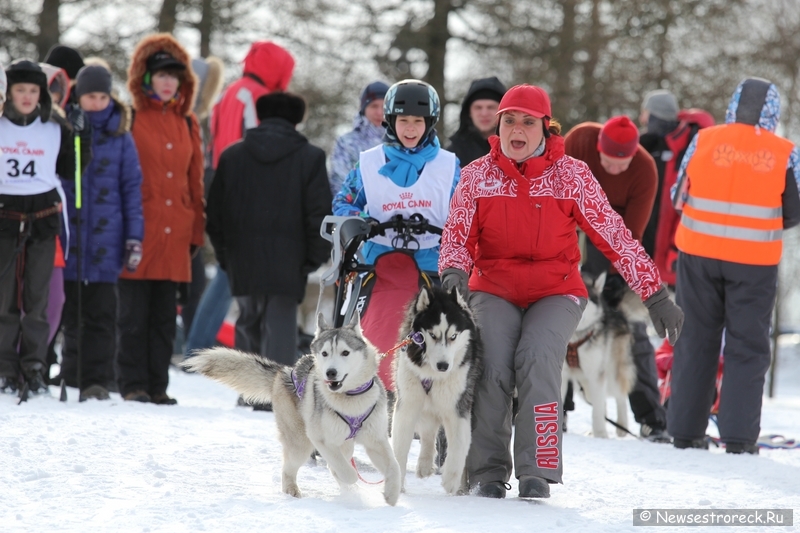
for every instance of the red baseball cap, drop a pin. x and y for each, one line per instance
(528, 99)
(618, 138)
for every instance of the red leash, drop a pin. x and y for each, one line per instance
(353, 462)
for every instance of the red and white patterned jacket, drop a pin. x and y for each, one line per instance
(524, 247)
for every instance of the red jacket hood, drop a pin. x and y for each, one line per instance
(271, 64)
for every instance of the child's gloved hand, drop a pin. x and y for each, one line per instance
(133, 254)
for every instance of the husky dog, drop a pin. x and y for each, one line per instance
(328, 401)
(435, 378)
(604, 344)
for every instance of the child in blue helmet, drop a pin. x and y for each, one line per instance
(409, 173)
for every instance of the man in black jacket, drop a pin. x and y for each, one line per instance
(265, 207)
(478, 120)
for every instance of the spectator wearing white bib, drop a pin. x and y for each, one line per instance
(35, 149)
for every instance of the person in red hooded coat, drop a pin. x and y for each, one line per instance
(267, 68)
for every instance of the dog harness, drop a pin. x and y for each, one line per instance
(572, 350)
(353, 422)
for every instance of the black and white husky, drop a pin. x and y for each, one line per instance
(435, 378)
(328, 401)
(605, 367)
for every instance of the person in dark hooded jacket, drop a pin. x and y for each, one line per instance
(478, 120)
(737, 189)
(265, 207)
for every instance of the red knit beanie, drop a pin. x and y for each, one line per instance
(618, 138)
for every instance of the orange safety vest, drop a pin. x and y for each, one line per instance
(734, 210)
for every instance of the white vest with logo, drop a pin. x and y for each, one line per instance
(28, 157)
(429, 196)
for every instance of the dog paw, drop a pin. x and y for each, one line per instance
(451, 483)
(621, 433)
(425, 470)
(293, 490)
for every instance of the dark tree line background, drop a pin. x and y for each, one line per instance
(597, 58)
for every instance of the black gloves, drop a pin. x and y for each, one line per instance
(455, 277)
(667, 317)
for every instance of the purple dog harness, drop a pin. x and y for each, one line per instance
(354, 422)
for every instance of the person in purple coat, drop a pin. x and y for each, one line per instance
(112, 228)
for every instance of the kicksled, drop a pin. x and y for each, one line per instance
(664, 357)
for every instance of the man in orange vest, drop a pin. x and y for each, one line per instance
(737, 188)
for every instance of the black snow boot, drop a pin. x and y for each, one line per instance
(493, 489)
(683, 444)
(9, 384)
(741, 447)
(36, 382)
(533, 487)
(655, 433)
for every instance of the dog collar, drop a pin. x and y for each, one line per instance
(417, 338)
(362, 389)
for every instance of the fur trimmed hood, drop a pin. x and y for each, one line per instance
(137, 69)
(210, 75)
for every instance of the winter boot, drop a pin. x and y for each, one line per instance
(741, 447)
(137, 396)
(533, 487)
(36, 383)
(9, 384)
(163, 399)
(655, 433)
(683, 444)
(96, 392)
(493, 489)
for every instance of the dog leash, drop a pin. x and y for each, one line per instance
(353, 462)
(415, 337)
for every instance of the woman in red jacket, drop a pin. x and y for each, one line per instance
(511, 240)
(167, 137)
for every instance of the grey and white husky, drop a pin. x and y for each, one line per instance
(435, 378)
(330, 400)
(604, 346)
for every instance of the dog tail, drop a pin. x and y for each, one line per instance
(250, 375)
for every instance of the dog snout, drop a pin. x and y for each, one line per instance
(331, 374)
(442, 367)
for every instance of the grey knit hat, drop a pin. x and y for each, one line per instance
(93, 79)
(661, 104)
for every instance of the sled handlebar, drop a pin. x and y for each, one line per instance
(416, 224)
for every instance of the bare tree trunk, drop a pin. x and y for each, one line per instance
(562, 92)
(49, 32)
(590, 99)
(167, 16)
(437, 35)
(206, 27)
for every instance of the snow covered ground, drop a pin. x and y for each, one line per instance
(206, 465)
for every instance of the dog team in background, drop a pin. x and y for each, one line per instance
(548, 243)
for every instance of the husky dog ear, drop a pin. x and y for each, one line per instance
(321, 322)
(600, 282)
(355, 321)
(423, 300)
(456, 295)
